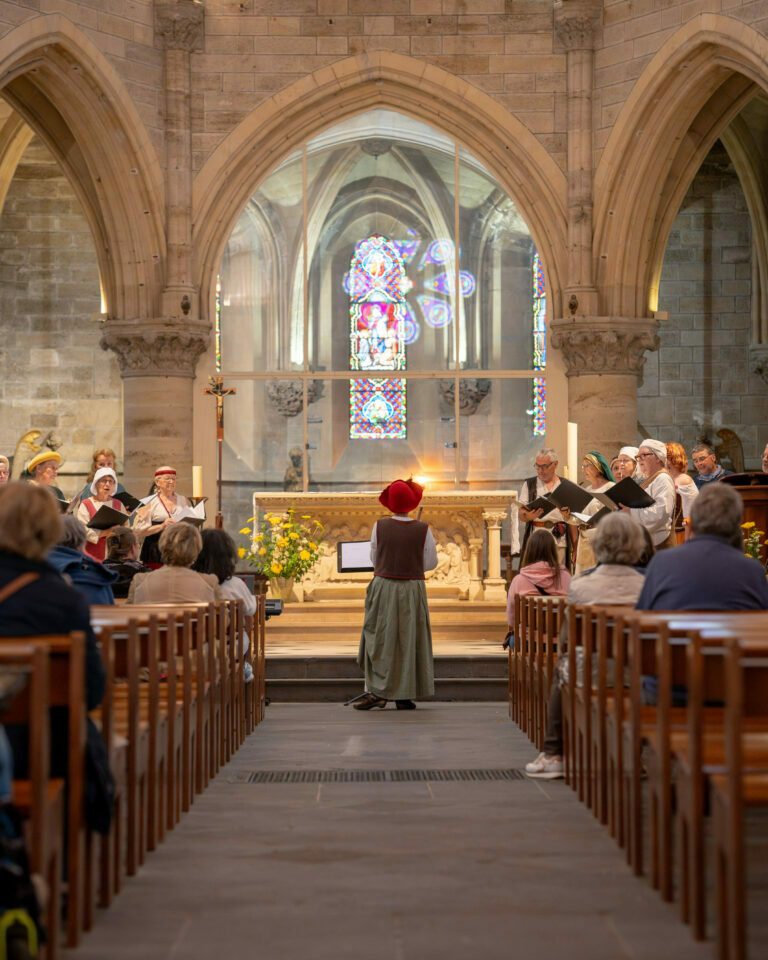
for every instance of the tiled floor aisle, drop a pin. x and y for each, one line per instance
(392, 871)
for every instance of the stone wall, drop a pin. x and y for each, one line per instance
(699, 381)
(53, 374)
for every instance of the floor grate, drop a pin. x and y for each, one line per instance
(375, 776)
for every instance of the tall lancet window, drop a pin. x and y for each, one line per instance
(379, 326)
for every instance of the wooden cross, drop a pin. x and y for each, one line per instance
(217, 389)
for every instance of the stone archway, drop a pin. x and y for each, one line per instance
(510, 151)
(691, 91)
(69, 94)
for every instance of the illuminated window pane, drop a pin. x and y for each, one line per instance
(381, 324)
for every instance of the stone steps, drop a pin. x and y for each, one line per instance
(318, 679)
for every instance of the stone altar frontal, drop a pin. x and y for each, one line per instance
(462, 523)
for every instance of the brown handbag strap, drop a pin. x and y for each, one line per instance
(18, 584)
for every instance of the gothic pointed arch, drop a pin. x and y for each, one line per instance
(68, 93)
(694, 87)
(382, 79)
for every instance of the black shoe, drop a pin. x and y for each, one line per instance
(369, 701)
(405, 704)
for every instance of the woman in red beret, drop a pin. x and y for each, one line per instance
(396, 642)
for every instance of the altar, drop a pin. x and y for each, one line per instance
(466, 526)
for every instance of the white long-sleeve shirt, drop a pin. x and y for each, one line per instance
(430, 548)
(657, 519)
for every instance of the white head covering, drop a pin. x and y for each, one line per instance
(656, 447)
(629, 452)
(100, 474)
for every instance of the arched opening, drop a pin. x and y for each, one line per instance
(80, 202)
(381, 306)
(680, 232)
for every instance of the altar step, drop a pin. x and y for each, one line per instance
(318, 679)
(458, 627)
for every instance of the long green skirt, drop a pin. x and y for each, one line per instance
(396, 642)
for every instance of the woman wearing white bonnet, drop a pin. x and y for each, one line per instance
(625, 464)
(657, 483)
(103, 486)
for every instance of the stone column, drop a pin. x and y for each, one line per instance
(157, 364)
(475, 571)
(575, 24)
(158, 355)
(494, 584)
(604, 359)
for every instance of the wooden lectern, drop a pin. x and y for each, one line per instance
(753, 488)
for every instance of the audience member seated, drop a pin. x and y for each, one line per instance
(658, 484)
(5, 469)
(219, 557)
(708, 572)
(618, 545)
(39, 601)
(102, 490)
(123, 559)
(677, 464)
(648, 553)
(540, 571)
(705, 461)
(84, 573)
(175, 582)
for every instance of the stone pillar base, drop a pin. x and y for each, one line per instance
(494, 589)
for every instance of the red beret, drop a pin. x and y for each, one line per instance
(401, 496)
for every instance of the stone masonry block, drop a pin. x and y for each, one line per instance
(675, 388)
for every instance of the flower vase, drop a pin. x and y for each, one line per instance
(281, 588)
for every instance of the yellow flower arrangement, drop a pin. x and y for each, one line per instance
(283, 545)
(753, 540)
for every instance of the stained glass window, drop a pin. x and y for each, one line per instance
(381, 324)
(539, 347)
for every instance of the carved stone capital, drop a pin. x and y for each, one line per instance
(472, 392)
(758, 360)
(156, 348)
(576, 23)
(180, 25)
(604, 345)
(494, 518)
(287, 397)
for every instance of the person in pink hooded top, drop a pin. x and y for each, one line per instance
(540, 571)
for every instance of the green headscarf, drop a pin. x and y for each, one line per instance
(599, 462)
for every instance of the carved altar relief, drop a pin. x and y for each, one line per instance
(458, 520)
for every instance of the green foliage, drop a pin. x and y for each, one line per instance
(283, 545)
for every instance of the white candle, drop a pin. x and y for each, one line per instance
(197, 481)
(573, 452)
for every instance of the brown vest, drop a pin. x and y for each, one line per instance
(400, 549)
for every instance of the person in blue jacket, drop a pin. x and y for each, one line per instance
(92, 579)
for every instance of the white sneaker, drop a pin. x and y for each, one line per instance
(545, 768)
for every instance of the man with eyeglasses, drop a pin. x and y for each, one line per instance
(658, 484)
(705, 461)
(544, 482)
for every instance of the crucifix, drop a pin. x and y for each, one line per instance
(217, 389)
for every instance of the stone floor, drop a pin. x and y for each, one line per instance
(387, 871)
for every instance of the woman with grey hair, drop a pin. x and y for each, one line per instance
(618, 544)
(659, 485)
(175, 582)
(87, 575)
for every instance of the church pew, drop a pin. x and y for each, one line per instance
(743, 784)
(67, 689)
(39, 799)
